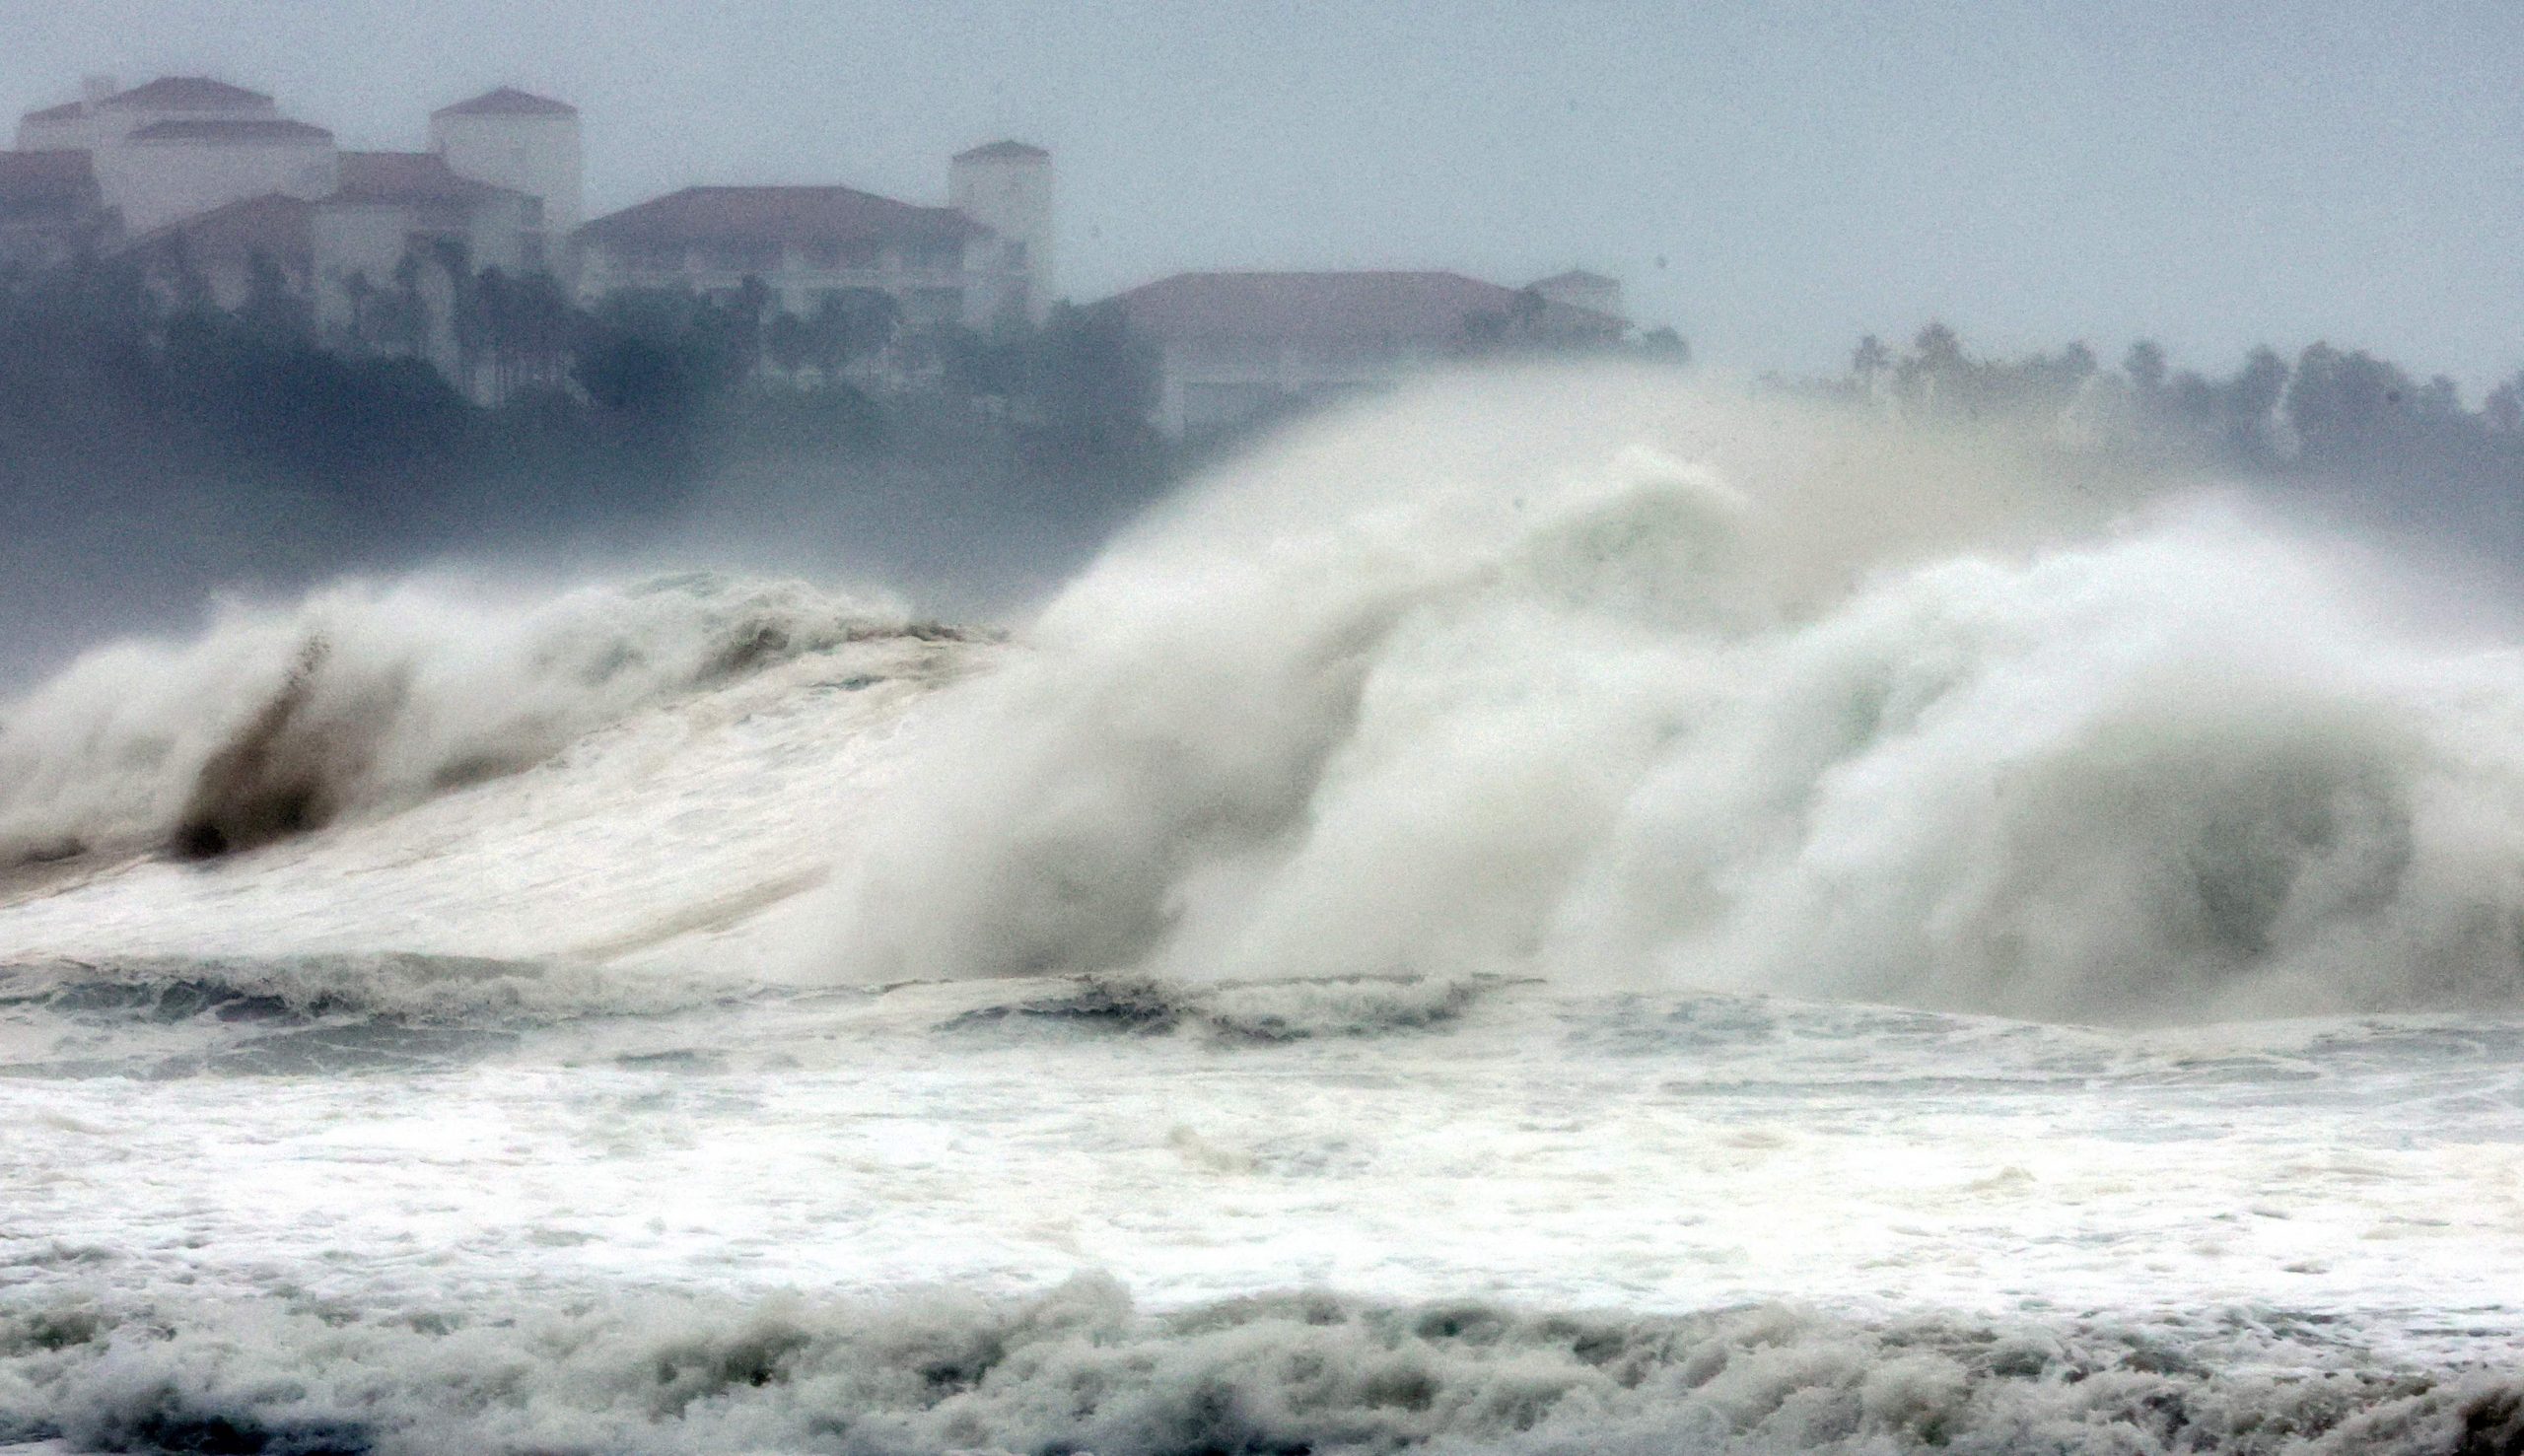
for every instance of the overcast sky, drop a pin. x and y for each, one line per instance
(1773, 178)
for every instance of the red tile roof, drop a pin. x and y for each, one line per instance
(1004, 152)
(1430, 309)
(44, 181)
(802, 215)
(261, 129)
(188, 94)
(273, 225)
(405, 176)
(508, 101)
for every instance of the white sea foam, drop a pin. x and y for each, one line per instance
(367, 697)
(1387, 797)
(1079, 1369)
(1544, 1222)
(1587, 677)
(1630, 685)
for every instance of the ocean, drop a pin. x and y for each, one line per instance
(1550, 915)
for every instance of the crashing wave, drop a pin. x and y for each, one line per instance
(1588, 679)
(367, 698)
(1081, 1370)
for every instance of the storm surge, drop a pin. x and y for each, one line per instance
(1595, 678)
(367, 698)
(1604, 680)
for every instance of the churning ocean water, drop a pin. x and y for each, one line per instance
(1552, 916)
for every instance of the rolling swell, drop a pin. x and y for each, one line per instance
(1625, 685)
(363, 699)
(1081, 1370)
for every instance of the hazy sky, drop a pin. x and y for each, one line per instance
(1773, 179)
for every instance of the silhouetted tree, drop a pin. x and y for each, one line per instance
(1094, 379)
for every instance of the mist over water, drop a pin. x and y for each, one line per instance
(1597, 678)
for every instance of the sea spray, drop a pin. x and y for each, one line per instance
(1079, 1368)
(1622, 683)
(367, 697)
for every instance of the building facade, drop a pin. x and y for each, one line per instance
(1006, 187)
(984, 257)
(182, 145)
(527, 144)
(1236, 346)
(211, 191)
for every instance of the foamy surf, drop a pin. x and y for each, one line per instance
(1707, 692)
(367, 698)
(1023, 1215)
(1536, 917)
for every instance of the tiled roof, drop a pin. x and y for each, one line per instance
(1004, 152)
(405, 176)
(508, 101)
(261, 129)
(777, 214)
(273, 225)
(188, 94)
(1430, 307)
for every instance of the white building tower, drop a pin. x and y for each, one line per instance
(527, 143)
(1006, 187)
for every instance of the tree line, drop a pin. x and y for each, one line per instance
(157, 446)
(122, 398)
(107, 374)
(2339, 424)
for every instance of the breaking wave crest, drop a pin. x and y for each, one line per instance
(364, 698)
(1594, 679)
(1081, 1370)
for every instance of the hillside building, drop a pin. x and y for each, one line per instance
(984, 257)
(209, 187)
(183, 145)
(527, 144)
(1234, 346)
